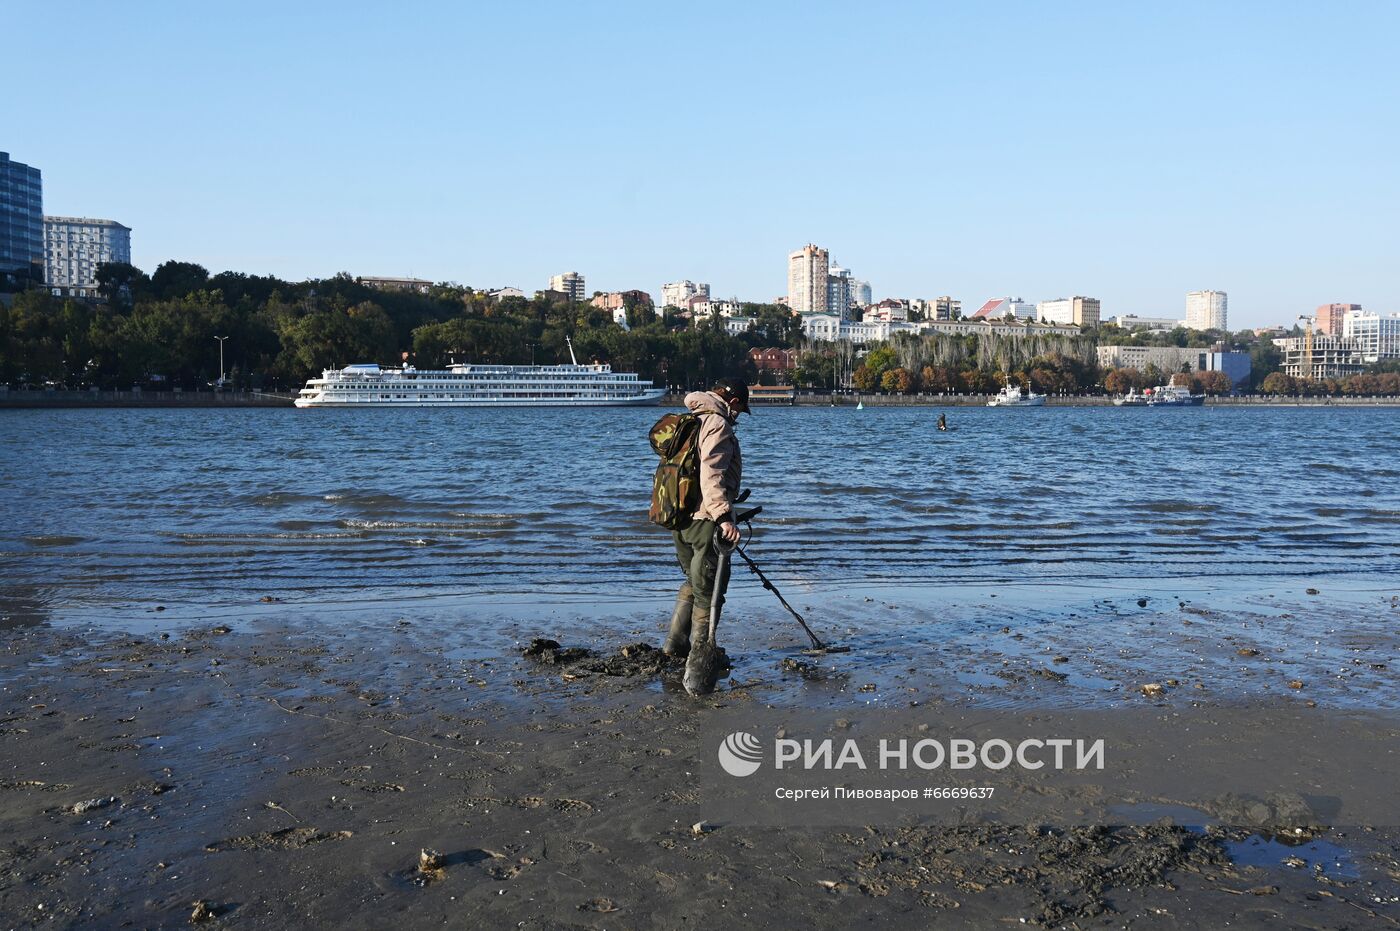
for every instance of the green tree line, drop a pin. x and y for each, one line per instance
(160, 330)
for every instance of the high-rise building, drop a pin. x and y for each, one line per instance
(75, 246)
(1080, 311)
(1329, 317)
(945, 308)
(1376, 338)
(838, 291)
(861, 295)
(1205, 310)
(21, 218)
(808, 270)
(569, 283)
(679, 293)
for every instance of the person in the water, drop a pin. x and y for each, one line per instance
(943, 421)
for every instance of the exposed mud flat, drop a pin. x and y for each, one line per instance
(293, 775)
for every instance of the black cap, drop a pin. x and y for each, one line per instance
(735, 392)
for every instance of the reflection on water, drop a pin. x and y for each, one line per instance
(110, 506)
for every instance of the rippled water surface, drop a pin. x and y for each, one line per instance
(106, 507)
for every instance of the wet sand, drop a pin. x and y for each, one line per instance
(289, 771)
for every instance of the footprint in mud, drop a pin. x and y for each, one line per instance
(374, 788)
(286, 839)
(35, 785)
(572, 806)
(598, 905)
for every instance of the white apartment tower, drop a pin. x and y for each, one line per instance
(808, 269)
(679, 293)
(75, 246)
(1205, 310)
(570, 283)
(1374, 337)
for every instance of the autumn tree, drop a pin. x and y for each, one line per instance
(897, 381)
(1216, 383)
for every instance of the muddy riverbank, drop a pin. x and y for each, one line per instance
(285, 770)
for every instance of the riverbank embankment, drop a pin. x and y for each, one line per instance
(198, 399)
(136, 398)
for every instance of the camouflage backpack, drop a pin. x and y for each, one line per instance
(675, 489)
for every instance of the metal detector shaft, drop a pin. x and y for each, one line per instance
(753, 567)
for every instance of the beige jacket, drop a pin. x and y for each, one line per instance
(721, 466)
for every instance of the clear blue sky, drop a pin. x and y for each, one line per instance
(1120, 150)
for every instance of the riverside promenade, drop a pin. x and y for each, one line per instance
(136, 398)
(11, 398)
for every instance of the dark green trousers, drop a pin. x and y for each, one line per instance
(695, 552)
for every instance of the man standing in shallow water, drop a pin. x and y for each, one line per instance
(721, 470)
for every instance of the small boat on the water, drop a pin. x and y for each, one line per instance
(1012, 396)
(1133, 398)
(1173, 396)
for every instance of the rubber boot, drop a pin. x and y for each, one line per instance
(678, 640)
(701, 665)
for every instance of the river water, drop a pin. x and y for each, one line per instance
(110, 508)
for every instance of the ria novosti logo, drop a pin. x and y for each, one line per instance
(740, 754)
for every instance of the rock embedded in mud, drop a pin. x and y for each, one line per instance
(1151, 689)
(92, 804)
(1296, 684)
(1247, 651)
(550, 653)
(202, 913)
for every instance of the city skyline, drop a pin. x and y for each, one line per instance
(1219, 164)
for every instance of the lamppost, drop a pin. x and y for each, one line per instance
(221, 359)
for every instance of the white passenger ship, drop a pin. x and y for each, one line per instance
(461, 385)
